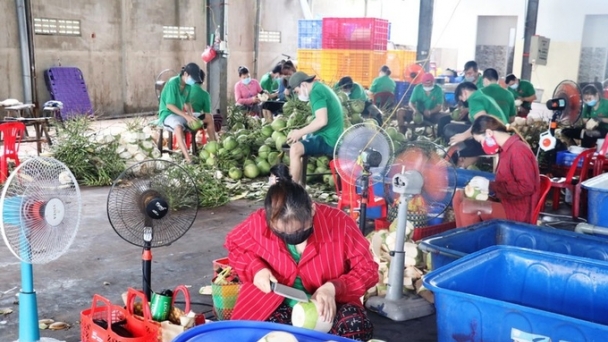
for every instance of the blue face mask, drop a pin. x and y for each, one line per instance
(591, 103)
(246, 80)
(190, 81)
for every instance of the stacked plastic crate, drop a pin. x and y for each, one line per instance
(309, 46)
(355, 47)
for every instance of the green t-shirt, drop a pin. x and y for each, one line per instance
(321, 96)
(268, 83)
(524, 89)
(298, 283)
(171, 94)
(383, 84)
(356, 93)
(479, 83)
(478, 102)
(422, 101)
(200, 99)
(503, 98)
(600, 113)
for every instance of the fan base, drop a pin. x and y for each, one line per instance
(403, 309)
(28, 317)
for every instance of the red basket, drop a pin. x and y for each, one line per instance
(355, 33)
(424, 232)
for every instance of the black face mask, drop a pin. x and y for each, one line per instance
(294, 238)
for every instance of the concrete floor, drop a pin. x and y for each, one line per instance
(99, 256)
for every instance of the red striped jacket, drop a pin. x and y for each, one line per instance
(336, 251)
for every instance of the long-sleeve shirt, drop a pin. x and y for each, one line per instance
(517, 183)
(243, 93)
(336, 252)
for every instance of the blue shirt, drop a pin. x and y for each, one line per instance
(281, 90)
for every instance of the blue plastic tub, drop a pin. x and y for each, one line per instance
(510, 294)
(250, 331)
(566, 158)
(454, 244)
(597, 200)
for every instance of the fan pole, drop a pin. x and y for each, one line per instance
(146, 258)
(363, 208)
(28, 306)
(395, 271)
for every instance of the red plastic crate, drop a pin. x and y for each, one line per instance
(424, 232)
(355, 33)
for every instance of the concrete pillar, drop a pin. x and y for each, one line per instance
(425, 30)
(217, 70)
(529, 31)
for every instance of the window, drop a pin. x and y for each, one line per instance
(56, 27)
(270, 36)
(179, 32)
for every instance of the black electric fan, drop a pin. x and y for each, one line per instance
(152, 204)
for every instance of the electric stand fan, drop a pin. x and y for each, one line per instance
(565, 113)
(362, 156)
(420, 170)
(40, 208)
(152, 204)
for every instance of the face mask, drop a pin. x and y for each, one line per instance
(591, 103)
(347, 93)
(489, 145)
(514, 86)
(190, 80)
(469, 78)
(303, 94)
(246, 80)
(382, 74)
(428, 88)
(294, 238)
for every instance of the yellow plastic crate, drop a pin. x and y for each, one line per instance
(398, 60)
(309, 61)
(362, 65)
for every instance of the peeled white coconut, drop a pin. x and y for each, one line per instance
(304, 315)
(147, 145)
(133, 149)
(156, 153)
(518, 102)
(125, 155)
(140, 157)
(475, 193)
(278, 336)
(120, 149)
(263, 97)
(519, 121)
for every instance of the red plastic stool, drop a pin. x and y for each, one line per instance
(188, 138)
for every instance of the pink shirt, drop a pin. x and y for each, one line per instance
(243, 93)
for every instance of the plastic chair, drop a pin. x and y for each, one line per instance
(11, 132)
(545, 186)
(573, 181)
(349, 198)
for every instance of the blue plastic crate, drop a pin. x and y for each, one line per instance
(566, 158)
(450, 246)
(450, 99)
(310, 34)
(403, 92)
(250, 331)
(510, 294)
(597, 200)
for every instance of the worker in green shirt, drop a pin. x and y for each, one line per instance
(201, 106)
(523, 92)
(270, 80)
(426, 100)
(595, 117)
(323, 131)
(460, 134)
(174, 109)
(502, 96)
(382, 84)
(471, 74)
(353, 89)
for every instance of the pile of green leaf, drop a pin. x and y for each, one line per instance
(92, 163)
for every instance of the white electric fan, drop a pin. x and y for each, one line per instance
(567, 105)
(41, 210)
(363, 155)
(421, 171)
(152, 204)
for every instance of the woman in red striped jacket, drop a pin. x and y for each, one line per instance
(313, 247)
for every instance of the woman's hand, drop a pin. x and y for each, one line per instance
(460, 137)
(325, 296)
(294, 136)
(262, 280)
(255, 99)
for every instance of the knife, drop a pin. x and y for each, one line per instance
(289, 292)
